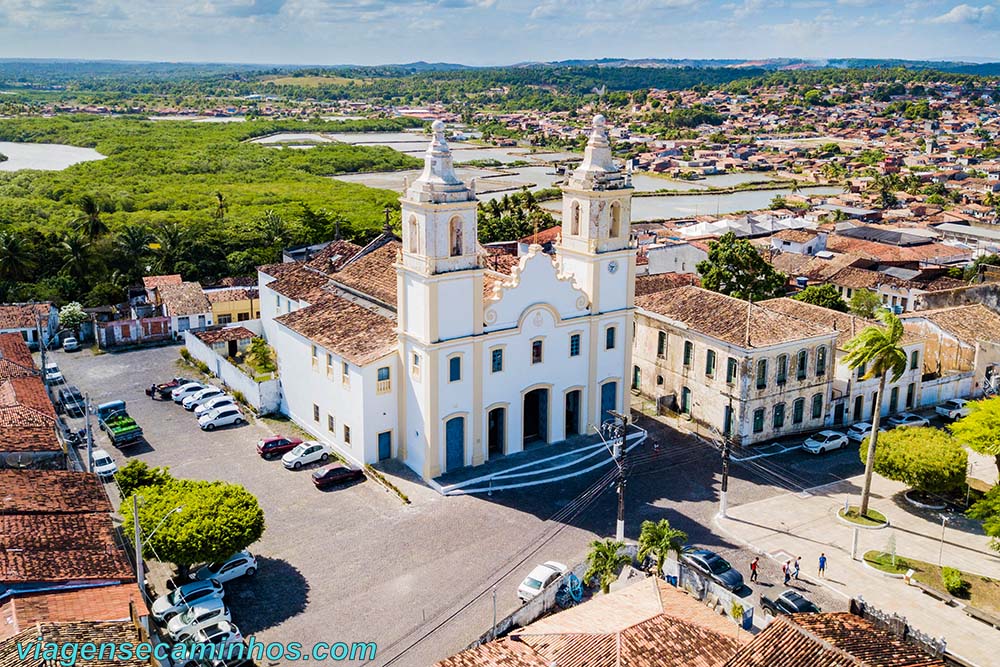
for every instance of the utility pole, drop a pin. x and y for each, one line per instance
(90, 433)
(618, 435)
(723, 496)
(139, 576)
(493, 632)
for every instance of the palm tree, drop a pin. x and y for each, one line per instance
(168, 245)
(16, 262)
(658, 540)
(133, 241)
(89, 221)
(605, 558)
(76, 255)
(273, 229)
(877, 349)
(221, 207)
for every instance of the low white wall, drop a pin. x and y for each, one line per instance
(265, 396)
(937, 391)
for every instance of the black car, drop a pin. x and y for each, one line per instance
(789, 602)
(336, 474)
(71, 401)
(713, 566)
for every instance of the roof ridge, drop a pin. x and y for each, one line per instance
(821, 641)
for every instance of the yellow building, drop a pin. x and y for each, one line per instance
(233, 304)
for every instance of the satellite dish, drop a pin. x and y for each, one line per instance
(17, 460)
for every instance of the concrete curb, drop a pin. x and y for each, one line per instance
(846, 522)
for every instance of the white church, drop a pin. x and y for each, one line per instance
(413, 349)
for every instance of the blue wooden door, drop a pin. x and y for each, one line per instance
(609, 399)
(384, 445)
(454, 430)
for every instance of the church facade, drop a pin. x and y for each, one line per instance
(456, 363)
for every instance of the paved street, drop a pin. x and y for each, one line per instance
(355, 564)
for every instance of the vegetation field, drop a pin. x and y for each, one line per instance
(174, 196)
(981, 592)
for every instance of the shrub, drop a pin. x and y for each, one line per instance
(925, 458)
(736, 611)
(953, 582)
(202, 366)
(185, 355)
(239, 397)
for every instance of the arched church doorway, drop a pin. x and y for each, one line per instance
(536, 416)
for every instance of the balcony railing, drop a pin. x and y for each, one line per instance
(383, 386)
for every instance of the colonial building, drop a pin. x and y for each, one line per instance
(412, 348)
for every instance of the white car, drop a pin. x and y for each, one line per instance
(185, 390)
(956, 408)
(224, 416)
(104, 465)
(860, 431)
(180, 599)
(71, 344)
(213, 403)
(824, 441)
(201, 397)
(239, 564)
(306, 453)
(538, 579)
(202, 614)
(908, 419)
(52, 373)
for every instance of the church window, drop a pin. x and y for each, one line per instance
(347, 434)
(688, 352)
(609, 338)
(455, 369)
(800, 366)
(661, 344)
(710, 363)
(414, 235)
(536, 351)
(616, 220)
(455, 229)
(496, 360)
(574, 345)
(574, 225)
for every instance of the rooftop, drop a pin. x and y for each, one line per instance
(14, 351)
(102, 603)
(153, 282)
(347, 329)
(79, 632)
(46, 491)
(224, 334)
(183, 299)
(23, 315)
(969, 324)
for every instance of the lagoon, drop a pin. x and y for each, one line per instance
(47, 157)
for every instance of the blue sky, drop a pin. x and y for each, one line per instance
(487, 32)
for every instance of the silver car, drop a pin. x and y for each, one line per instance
(203, 614)
(180, 599)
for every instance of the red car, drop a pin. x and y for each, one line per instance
(268, 448)
(336, 474)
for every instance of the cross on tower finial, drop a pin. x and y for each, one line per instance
(387, 228)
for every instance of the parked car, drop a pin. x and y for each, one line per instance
(225, 416)
(180, 599)
(538, 579)
(52, 373)
(908, 419)
(306, 453)
(955, 408)
(104, 465)
(220, 633)
(268, 448)
(180, 393)
(239, 564)
(165, 389)
(336, 474)
(789, 602)
(71, 344)
(71, 401)
(201, 397)
(861, 430)
(824, 441)
(713, 566)
(202, 614)
(214, 403)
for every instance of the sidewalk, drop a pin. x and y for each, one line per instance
(806, 524)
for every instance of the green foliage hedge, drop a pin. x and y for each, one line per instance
(924, 458)
(953, 582)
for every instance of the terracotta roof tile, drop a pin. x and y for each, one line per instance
(230, 294)
(374, 273)
(23, 315)
(891, 253)
(831, 640)
(15, 351)
(352, 331)
(224, 334)
(331, 258)
(725, 318)
(967, 323)
(27, 430)
(278, 269)
(659, 282)
(153, 282)
(300, 283)
(102, 603)
(41, 491)
(184, 299)
(105, 562)
(79, 632)
(28, 392)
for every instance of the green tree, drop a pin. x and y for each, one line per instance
(169, 241)
(605, 559)
(734, 267)
(980, 430)
(865, 303)
(877, 349)
(924, 458)
(16, 260)
(987, 510)
(827, 296)
(71, 316)
(261, 356)
(137, 474)
(75, 251)
(216, 520)
(89, 221)
(658, 540)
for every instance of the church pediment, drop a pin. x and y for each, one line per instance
(534, 281)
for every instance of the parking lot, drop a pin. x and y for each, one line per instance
(356, 564)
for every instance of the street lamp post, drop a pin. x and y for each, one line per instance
(139, 566)
(944, 520)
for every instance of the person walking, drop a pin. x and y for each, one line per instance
(786, 570)
(754, 566)
(822, 565)
(795, 569)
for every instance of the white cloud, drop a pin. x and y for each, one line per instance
(965, 14)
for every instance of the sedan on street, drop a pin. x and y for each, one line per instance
(538, 579)
(825, 441)
(213, 403)
(335, 475)
(240, 564)
(861, 430)
(713, 566)
(789, 602)
(306, 453)
(201, 397)
(908, 419)
(185, 390)
(225, 416)
(268, 448)
(180, 599)
(202, 614)
(104, 465)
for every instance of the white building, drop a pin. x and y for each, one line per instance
(412, 349)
